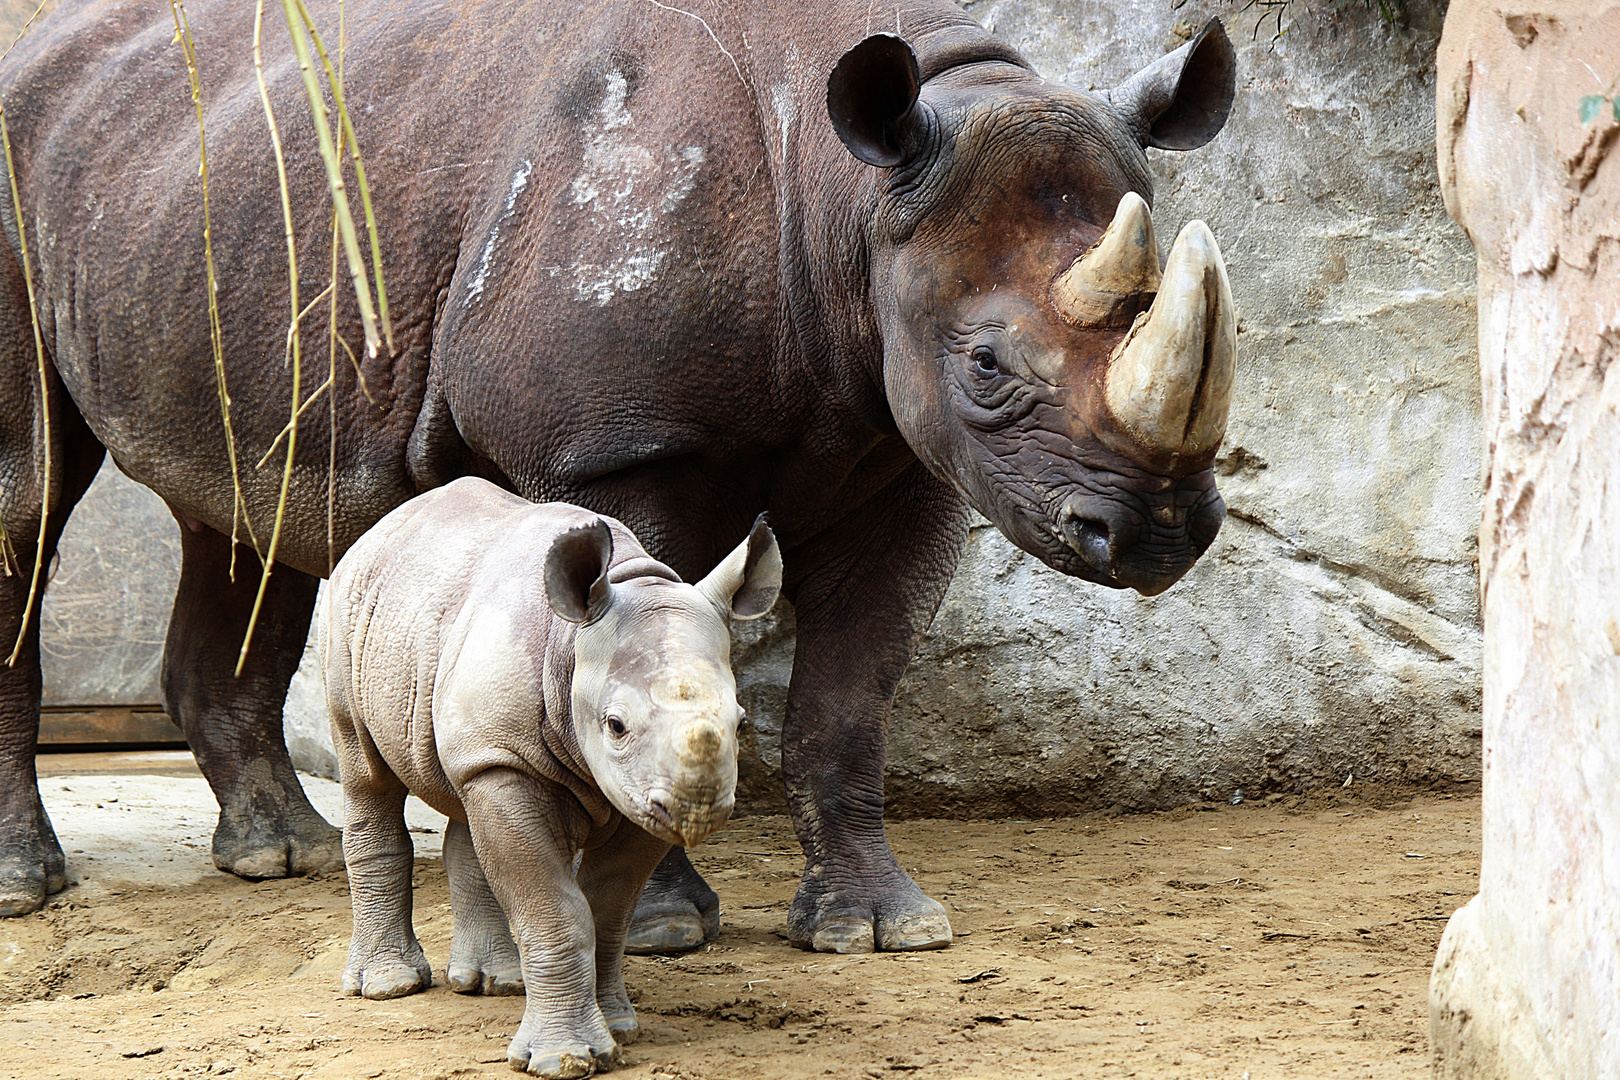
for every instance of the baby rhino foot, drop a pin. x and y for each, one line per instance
(560, 1061)
(382, 977)
(474, 977)
(622, 1024)
(484, 959)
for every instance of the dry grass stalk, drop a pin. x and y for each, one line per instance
(239, 511)
(335, 79)
(297, 25)
(44, 379)
(294, 338)
(343, 227)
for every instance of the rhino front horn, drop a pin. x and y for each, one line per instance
(1112, 282)
(1170, 380)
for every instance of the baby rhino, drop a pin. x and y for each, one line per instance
(529, 671)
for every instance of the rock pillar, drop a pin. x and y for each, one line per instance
(1527, 982)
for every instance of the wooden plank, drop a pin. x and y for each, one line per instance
(143, 726)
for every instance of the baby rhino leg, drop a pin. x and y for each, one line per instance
(483, 957)
(526, 833)
(611, 877)
(385, 959)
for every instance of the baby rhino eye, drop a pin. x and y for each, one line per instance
(616, 726)
(984, 360)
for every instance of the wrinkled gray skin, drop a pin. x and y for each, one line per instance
(530, 672)
(633, 266)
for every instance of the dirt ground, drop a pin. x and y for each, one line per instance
(1289, 937)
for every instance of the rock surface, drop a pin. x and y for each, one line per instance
(1332, 632)
(1527, 984)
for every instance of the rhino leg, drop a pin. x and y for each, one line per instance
(267, 828)
(526, 832)
(385, 959)
(677, 912)
(483, 957)
(612, 876)
(864, 593)
(31, 862)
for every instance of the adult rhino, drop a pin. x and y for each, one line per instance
(633, 266)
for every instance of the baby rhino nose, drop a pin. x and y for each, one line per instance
(699, 744)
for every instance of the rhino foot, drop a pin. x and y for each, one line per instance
(564, 1059)
(619, 1015)
(677, 913)
(867, 919)
(385, 976)
(31, 862)
(667, 934)
(277, 834)
(483, 957)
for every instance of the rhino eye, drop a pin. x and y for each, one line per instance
(616, 726)
(985, 362)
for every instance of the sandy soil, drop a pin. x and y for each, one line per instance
(1285, 938)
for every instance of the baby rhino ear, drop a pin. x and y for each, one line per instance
(576, 571)
(746, 581)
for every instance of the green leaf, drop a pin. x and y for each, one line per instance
(1615, 106)
(1590, 104)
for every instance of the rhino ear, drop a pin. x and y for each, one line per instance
(748, 580)
(1181, 100)
(872, 100)
(576, 572)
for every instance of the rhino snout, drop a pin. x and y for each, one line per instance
(1147, 541)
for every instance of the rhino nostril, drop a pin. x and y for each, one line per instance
(1092, 539)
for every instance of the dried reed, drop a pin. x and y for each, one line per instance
(216, 337)
(39, 358)
(302, 32)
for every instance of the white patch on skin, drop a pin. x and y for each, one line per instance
(787, 113)
(618, 190)
(520, 180)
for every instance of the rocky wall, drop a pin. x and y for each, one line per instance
(1527, 982)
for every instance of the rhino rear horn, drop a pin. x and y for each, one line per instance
(1118, 276)
(576, 572)
(1181, 100)
(872, 100)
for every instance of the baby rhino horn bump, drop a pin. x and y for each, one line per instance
(700, 744)
(1107, 285)
(1170, 381)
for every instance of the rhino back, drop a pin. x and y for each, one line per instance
(623, 250)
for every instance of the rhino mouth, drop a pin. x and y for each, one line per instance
(686, 821)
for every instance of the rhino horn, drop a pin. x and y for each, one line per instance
(1108, 285)
(1170, 380)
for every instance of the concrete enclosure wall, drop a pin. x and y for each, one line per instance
(1332, 632)
(1527, 982)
